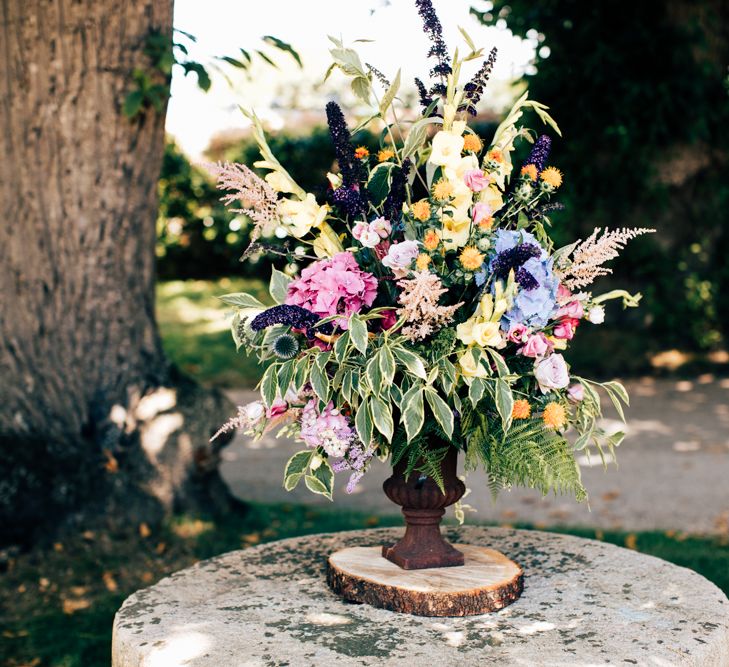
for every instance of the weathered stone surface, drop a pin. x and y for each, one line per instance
(584, 603)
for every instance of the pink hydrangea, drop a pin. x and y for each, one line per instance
(335, 286)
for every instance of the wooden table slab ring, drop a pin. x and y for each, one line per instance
(488, 581)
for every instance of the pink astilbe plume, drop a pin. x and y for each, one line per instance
(258, 199)
(589, 255)
(420, 308)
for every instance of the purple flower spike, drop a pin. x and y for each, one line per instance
(540, 153)
(294, 316)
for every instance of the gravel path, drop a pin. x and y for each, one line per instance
(673, 473)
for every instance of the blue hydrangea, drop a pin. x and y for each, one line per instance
(532, 307)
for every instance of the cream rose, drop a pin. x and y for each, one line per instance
(471, 368)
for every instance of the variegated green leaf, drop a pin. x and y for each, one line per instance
(269, 385)
(413, 362)
(363, 423)
(413, 411)
(504, 403)
(441, 410)
(279, 285)
(358, 333)
(387, 364)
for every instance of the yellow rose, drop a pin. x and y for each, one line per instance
(488, 334)
(327, 244)
(300, 216)
(447, 149)
(471, 368)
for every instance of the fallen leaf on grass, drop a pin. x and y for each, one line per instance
(144, 530)
(631, 541)
(110, 582)
(72, 606)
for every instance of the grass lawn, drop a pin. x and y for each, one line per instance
(57, 603)
(195, 329)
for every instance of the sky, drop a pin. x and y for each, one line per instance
(223, 26)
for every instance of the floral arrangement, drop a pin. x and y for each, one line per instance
(424, 305)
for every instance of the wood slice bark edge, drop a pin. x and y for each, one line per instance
(467, 602)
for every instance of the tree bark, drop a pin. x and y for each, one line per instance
(92, 419)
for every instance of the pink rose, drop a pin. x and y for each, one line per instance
(573, 310)
(481, 212)
(518, 334)
(551, 373)
(400, 256)
(536, 346)
(476, 180)
(381, 226)
(576, 392)
(563, 293)
(565, 329)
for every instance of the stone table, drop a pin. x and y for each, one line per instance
(585, 603)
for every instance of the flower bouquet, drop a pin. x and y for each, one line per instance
(423, 310)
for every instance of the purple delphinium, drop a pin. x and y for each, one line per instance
(475, 87)
(539, 153)
(293, 316)
(433, 28)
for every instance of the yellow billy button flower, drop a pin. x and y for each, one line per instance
(443, 189)
(529, 170)
(471, 258)
(472, 143)
(422, 261)
(385, 154)
(495, 155)
(554, 416)
(552, 177)
(361, 152)
(421, 210)
(431, 240)
(521, 409)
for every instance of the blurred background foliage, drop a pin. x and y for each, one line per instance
(641, 95)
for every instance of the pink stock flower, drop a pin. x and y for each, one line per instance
(335, 286)
(518, 333)
(476, 180)
(389, 317)
(576, 393)
(481, 212)
(537, 345)
(278, 407)
(565, 328)
(563, 293)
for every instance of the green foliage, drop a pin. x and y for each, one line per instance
(633, 158)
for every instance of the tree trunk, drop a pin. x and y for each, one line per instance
(92, 419)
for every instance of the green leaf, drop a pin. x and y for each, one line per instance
(284, 46)
(358, 333)
(411, 361)
(363, 423)
(361, 88)
(299, 462)
(133, 103)
(447, 376)
(382, 416)
(501, 368)
(301, 373)
(413, 413)
(615, 439)
(347, 386)
(291, 481)
(615, 401)
(325, 475)
(504, 403)
(389, 96)
(619, 390)
(278, 286)
(315, 485)
(285, 376)
(441, 410)
(379, 182)
(396, 395)
(374, 377)
(241, 300)
(387, 365)
(417, 135)
(269, 385)
(476, 390)
(340, 347)
(319, 378)
(266, 59)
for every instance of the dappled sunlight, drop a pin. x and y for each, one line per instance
(184, 645)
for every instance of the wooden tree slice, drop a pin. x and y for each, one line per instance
(488, 581)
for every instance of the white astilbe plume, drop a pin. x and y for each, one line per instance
(589, 255)
(258, 199)
(420, 308)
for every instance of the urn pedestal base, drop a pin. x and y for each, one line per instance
(487, 581)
